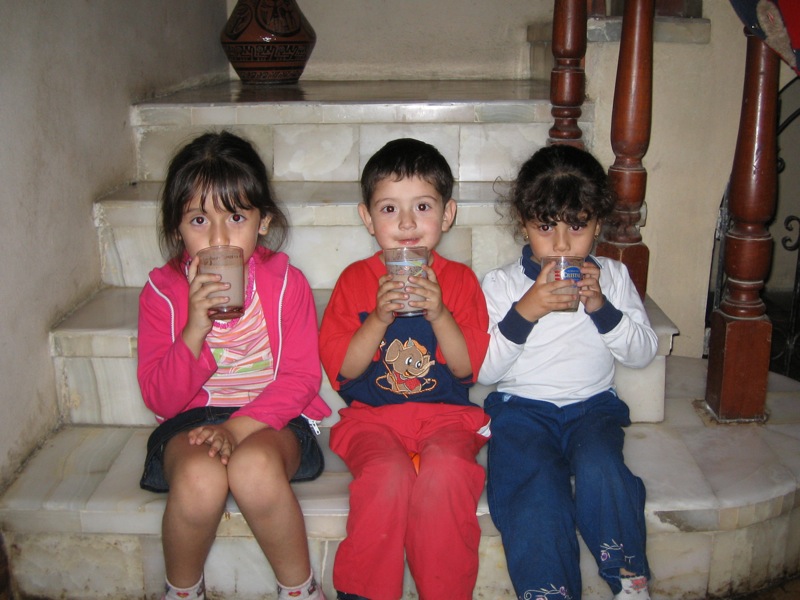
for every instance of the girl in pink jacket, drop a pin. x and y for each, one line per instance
(237, 400)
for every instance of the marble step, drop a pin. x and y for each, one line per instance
(722, 511)
(94, 355)
(326, 130)
(325, 233)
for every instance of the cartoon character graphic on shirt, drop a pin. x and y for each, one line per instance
(407, 365)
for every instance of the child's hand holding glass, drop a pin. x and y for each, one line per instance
(199, 323)
(543, 297)
(591, 294)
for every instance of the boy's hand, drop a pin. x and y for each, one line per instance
(541, 300)
(429, 289)
(389, 293)
(589, 288)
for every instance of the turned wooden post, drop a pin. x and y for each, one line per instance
(568, 79)
(630, 137)
(741, 333)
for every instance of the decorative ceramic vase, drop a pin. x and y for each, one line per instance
(268, 41)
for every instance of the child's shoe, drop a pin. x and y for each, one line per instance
(196, 592)
(633, 588)
(308, 590)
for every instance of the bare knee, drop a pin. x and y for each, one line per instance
(198, 485)
(260, 473)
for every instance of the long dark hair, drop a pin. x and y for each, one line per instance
(226, 170)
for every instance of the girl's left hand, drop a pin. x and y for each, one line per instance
(589, 288)
(221, 441)
(429, 289)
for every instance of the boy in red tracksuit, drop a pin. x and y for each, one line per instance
(409, 434)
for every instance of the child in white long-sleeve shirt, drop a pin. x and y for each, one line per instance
(555, 413)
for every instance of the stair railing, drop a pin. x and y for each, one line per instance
(740, 338)
(567, 78)
(631, 119)
(790, 332)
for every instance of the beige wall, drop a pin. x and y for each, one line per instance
(69, 72)
(697, 92)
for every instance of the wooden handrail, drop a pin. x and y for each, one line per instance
(630, 137)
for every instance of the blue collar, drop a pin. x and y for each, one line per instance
(531, 268)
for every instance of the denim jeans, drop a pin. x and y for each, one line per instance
(312, 461)
(535, 449)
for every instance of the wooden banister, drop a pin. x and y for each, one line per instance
(631, 118)
(741, 334)
(568, 79)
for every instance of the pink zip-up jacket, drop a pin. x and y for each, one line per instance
(171, 378)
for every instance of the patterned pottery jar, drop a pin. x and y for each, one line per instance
(268, 41)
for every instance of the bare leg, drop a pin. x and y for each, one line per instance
(198, 487)
(258, 473)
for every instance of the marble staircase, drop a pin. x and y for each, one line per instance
(722, 506)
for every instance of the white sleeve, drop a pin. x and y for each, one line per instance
(632, 342)
(502, 352)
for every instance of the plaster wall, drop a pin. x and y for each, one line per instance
(420, 39)
(70, 71)
(697, 94)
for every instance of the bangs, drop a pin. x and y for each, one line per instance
(225, 191)
(560, 199)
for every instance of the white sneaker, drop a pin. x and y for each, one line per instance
(633, 588)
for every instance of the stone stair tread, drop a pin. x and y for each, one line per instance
(104, 325)
(354, 92)
(143, 195)
(85, 479)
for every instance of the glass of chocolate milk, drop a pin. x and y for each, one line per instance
(226, 261)
(402, 263)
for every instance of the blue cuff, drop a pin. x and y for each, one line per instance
(606, 317)
(514, 326)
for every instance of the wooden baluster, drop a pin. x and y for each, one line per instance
(568, 79)
(630, 137)
(741, 334)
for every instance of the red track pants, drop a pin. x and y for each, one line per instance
(430, 515)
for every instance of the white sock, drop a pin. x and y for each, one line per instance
(196, 592)
(633, 588)
(308, 590)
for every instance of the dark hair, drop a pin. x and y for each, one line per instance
(226, 170)
(407, 157)
(560, 183)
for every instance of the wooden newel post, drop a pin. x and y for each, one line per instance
(568, 79)
(741, 333)
(630, 137)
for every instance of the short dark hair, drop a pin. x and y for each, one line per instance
(226, 169)
(561, 183)
(407, 157)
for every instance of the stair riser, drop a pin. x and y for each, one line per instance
(321, 243)
(712, 564)
(338, 152)
(104, 391)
